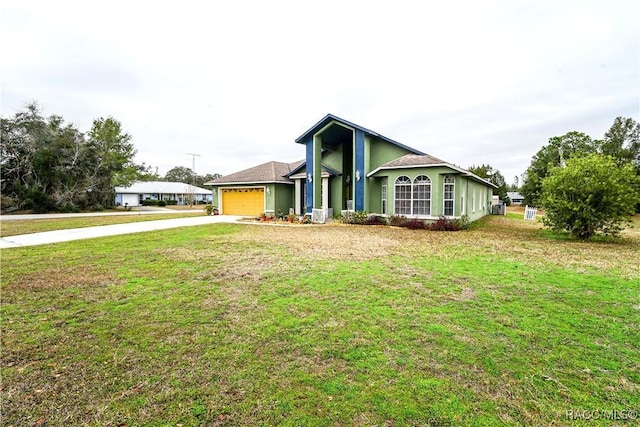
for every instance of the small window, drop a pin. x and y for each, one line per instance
(473, 201)
(449, 191)
(384, 196)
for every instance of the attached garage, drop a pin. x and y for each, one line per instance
(265, 188)
(130, 200)
(243, 201)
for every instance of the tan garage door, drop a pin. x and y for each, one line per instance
(243, 201)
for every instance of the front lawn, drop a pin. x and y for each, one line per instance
(14, 227)
(505, 324)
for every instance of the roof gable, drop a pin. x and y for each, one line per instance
(302, 169)
(326, 120)
(410, 161)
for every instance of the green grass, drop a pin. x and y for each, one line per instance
(336, 325)
(15, 227)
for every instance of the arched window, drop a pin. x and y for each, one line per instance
(413, 198)
(402, 196)
(449, 192)
(422, 195)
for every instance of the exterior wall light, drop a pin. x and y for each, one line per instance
(309, 177)
(357, 175)
(268, 191)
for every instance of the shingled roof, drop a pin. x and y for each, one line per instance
(413, 160)
(266, 173)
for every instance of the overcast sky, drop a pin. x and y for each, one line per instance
(237, 82)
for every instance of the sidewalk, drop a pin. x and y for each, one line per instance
(108, 230)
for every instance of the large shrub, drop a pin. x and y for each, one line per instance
(591, 194)
(397, 220)
(445, 224)
(38, 201)
(375, 220)
(415, 224)
(354, 217)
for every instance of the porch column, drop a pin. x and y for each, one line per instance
(359, 174)
(309, 170)
(298, 196)
(325, 193)
(317, 171)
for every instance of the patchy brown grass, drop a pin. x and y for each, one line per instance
(529, 242)
(14, 226)
(64, 278)
(519, 240)
(351, 324)
(328, 242)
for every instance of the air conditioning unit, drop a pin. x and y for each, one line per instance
(317, 216)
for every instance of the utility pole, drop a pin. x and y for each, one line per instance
(193, 167)
(193, 175)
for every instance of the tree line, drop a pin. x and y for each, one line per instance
(49, 165)
(587, 186)
(621, 143)
(184, 174)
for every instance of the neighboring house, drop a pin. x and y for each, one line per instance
(348, 167)
(515, 197)
(179, 192)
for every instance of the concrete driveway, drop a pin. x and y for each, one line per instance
(134, 211)
(107, 230)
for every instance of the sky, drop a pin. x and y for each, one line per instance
(236, 82)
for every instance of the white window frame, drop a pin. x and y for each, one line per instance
(384, 196)
(419, 196)
(473, 201)
(418, 182)
(449, 181)
(402, 181)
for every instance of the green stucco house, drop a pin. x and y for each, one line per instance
(348, 167)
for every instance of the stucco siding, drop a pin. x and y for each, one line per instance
(463, 199)
(478, 199)
(284, 198)
(381, 152)
(333, 158)
(375, 195)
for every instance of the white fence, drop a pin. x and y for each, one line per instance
(530, 213)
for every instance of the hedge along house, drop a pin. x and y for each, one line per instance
(348, 167)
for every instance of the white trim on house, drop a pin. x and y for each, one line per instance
(453, 196)
(324, 174)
